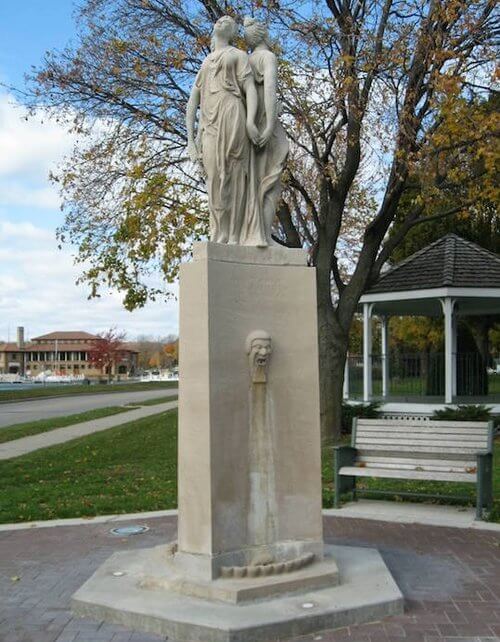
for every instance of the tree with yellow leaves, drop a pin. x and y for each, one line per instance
(372, 90)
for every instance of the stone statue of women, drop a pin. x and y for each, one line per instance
(225, 92)
(268, 156)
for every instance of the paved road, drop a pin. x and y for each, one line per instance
(21, 411)
(18, 447)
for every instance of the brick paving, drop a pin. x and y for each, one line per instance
(450, 579)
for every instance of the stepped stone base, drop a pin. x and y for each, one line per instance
(138, 590)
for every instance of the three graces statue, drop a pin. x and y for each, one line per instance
(239, 141)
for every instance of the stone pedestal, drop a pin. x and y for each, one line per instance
(249, 564)
(227, 292)
(146, 596)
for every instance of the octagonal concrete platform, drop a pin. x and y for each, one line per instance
(367, 592)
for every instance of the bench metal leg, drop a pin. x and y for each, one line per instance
(354, 491)
(484, 484)
(344, 456)
(479, 502)
(343, 484)
(336, 499)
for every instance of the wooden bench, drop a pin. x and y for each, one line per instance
(447, 451)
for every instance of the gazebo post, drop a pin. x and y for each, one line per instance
(346, 378)
(385, 355)
(367, 352)
(450, 349)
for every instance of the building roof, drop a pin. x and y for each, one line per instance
(451, 261)
(9, 347)
(50, 346)
(72, 335)
(130, 346)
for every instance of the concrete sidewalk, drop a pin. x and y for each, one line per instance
(393, 512)
(413, 513)
(25, 445)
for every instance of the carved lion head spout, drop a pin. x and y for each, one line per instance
(259, 349)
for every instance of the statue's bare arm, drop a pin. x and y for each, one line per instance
(192, 108)
(270, 100)
(252, 103)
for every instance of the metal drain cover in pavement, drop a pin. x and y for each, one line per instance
(125, 531)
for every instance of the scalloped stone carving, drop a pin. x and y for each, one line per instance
(261, 570)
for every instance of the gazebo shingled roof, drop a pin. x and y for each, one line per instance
(451, 261)
(451, 277)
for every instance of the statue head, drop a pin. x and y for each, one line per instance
(225, 28)
(255, 32)
(259, 349)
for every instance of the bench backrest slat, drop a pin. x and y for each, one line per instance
(395, 438)
(474, 435)
(430, 459)
(387, 423)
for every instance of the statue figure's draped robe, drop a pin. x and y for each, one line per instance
(225, 146)
(266, 164)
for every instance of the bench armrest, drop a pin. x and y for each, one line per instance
(344, 456)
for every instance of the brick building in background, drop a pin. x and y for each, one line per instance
(61, 353)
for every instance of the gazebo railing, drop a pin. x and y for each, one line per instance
(420, 374)
(423, 375)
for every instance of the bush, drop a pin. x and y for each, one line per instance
(367, 411)
(463, 413)
(466, 413)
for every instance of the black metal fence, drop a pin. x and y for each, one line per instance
(423, 375)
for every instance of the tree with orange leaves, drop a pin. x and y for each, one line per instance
(106, 351)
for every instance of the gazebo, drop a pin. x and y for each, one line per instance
(451, 277)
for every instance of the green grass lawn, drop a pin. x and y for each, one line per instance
(125, 469)
(77, 389)
(152, 402)
(44, 425)
(133, 468)
(494, 384)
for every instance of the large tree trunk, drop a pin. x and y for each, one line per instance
(333, 343)
(332, 355)
(478, 328)
(337, 392)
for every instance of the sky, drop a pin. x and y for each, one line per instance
(37, 280)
